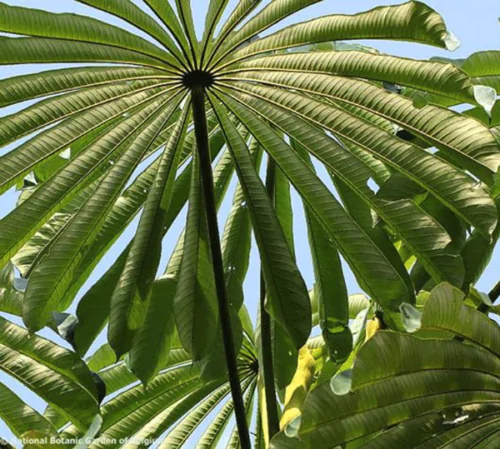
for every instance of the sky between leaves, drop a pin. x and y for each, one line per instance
(475, 24)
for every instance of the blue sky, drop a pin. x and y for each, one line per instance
(474, 23)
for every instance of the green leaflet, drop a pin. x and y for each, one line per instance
(195, 302)
(51, 110)
(433, 77)
(20, 417)
(288, 299)
(214, 13)
(10, 297)
(411, 21)
(151, 346)
(476, 253)
(164, 12)
(357, 303)
(25, 87)
(118, 376)
(30, 253)
(236, 239)
(481, 430)
(93, 309)
(28, 256)
(445, 129)
(186, 18)
(283, 206)
(362, 214)
(445, 310)
(241, 10)
(130, 298)
(46, 51)
(330, 288)
(284, 350)
(484, 68)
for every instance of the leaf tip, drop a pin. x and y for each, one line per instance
(451, 41)
(292, 428)
(411, 316)
(486, 97)
(341, 383)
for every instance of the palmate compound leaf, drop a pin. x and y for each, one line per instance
(286, 96)
(379, 19)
